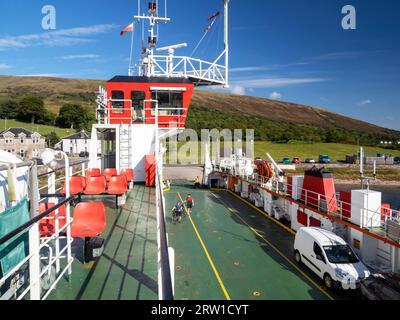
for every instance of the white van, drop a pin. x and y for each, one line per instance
(330, 257)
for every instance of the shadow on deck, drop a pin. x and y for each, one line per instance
(127, 269)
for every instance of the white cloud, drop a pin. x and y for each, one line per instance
(4, 66)
(274, 82)
(239, 90)
(275, 95)
(80, 56)
(247, 69)
(365, 102)
(269, 67)
(64, 37)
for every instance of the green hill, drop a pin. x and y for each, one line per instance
(272, 120)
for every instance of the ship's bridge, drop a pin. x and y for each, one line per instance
(134, 100)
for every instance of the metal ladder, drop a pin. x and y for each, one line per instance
(125, 142)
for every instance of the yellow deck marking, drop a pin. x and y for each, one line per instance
(206, 251)
(281, 254)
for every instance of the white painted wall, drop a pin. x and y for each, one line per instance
(78, 146)
(366, 207)
(143, 144)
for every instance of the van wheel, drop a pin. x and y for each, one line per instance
(297, 256)
(328, 281)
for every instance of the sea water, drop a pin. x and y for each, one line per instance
(390, 194)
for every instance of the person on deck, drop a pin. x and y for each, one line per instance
(197, 183)
(189, 203)
(177, 212)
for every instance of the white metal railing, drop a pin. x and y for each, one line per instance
(203, 71)
(51, 249)
(129, 114)
(323, 203)
(41, 264)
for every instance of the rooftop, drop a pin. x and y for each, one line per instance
(79, 135)
(18, 131)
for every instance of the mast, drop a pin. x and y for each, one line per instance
(226, 41)
(200, 72)
(154, 19)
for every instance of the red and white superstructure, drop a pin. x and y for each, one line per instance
(135, 111)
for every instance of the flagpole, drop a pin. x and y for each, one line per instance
(130, 56)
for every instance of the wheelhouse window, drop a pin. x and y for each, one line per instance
(138, 98)
(117, 101)
(169, 103)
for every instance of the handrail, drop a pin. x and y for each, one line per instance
(166, 279)
(34, 220)
(29, 163)
(71, 165)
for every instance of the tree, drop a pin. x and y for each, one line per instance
(9, 109)
(74, 116)
(31, 109)
(52, 139)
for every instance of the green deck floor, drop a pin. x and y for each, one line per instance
(127, 270)
(248, 266)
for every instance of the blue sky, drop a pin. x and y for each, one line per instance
(291, 50)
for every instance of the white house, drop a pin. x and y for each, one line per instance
(75, 144)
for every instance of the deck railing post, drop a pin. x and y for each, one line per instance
(34, 240)
(83, 169)
(51, 189)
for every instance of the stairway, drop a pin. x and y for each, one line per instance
(125, 144)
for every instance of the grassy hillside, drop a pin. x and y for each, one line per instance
(272, 120)
(42, 129)
(336, 151)
(54, 91)
(281, 111)
(278, 151)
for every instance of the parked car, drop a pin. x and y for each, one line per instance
(397, 160)
(296, 160)
(330, 257)
(286, 160)
(84, 154)
(310, 160)
(324, 158)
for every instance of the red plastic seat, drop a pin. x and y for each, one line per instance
(76, 185)
(95, 186)
(83, 182)
(117, 185)
(47, 226)
(129, 173)
(109, 173)
(93, 172)
(89, 220)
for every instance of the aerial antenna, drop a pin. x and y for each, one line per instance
(153, 19)
(200, 72)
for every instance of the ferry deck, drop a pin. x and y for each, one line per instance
(226, 250)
